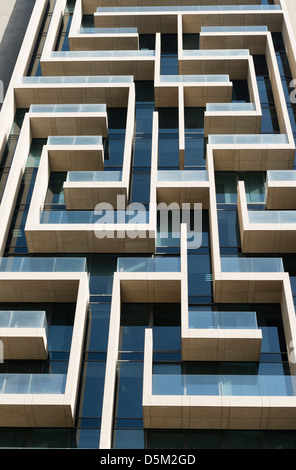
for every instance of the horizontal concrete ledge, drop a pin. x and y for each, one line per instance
(221, 344)
(35, 411)
(219, 412)
(24, 343)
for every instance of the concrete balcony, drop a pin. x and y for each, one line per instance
(220, 336)
(86, 189)
(232, 118)
(255, 152)
(49, 400)
(198, 89)
(232, 62)
(112, 91)
(23, 334)
(91, 38)
(150, 19)
(138, 63)
(179, 186)
(71, 153)
(215, 402)
(150, 279)
(265, 231)
(252, 38)
(104, 39)
(73, 120)
(281, 189)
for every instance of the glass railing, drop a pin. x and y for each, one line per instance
(20, 264)
(108, 30)
(93, 176)
(75, 140)
(252, 265)
(248, 139)
(67, 108)
(281, 175)
(188, 8)
(272, 217)
(108, 54)
(232, 29)
(199, 319)
(194, 78)
(182, 175)
(232, 107)
(32, 383)
(224, 385)
(22, 319)
(215, 52)
(95, 217)
(79, 79)
(143, 265)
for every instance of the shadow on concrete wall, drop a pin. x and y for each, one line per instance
(13, 38)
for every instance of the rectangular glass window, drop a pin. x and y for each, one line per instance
(228, 226)
(199, 275)
(204, 440)
(98, 327)
(226, 187)
(244, 440)
(92, 389)
(124, 438)
(191, 41)
(129, 386)
(166, 440)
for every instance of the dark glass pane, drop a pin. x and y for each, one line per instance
(190, 41)
(195, 152)
(169, 64)
(240, 91)
(144, 91)
(86, 439)
(226, 187)
(98, 327)
(127, 439)
(204, 440)
(166, 440)
(166, 338)
(92, 388)
(55, 191)
(194, 119)
(141, 188)
(144, 120)
(228, 228)
(244, 440)
(50, 438)
(130, 386)
(199, 269)
(168, 152)
(61, 327)
(142, 152)
(281, 440)
(254, 186)
(169, 44)
(13, 437)
(269, 120)
(168, 118)
(117, 118)
(147, 41)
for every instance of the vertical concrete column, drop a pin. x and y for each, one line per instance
(181, 127)
(110, 375)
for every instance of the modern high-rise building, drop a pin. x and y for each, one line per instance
(148, 227)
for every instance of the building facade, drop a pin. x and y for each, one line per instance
(148, 227)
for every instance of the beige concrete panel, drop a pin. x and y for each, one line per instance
(255, 41)
(115, 95)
